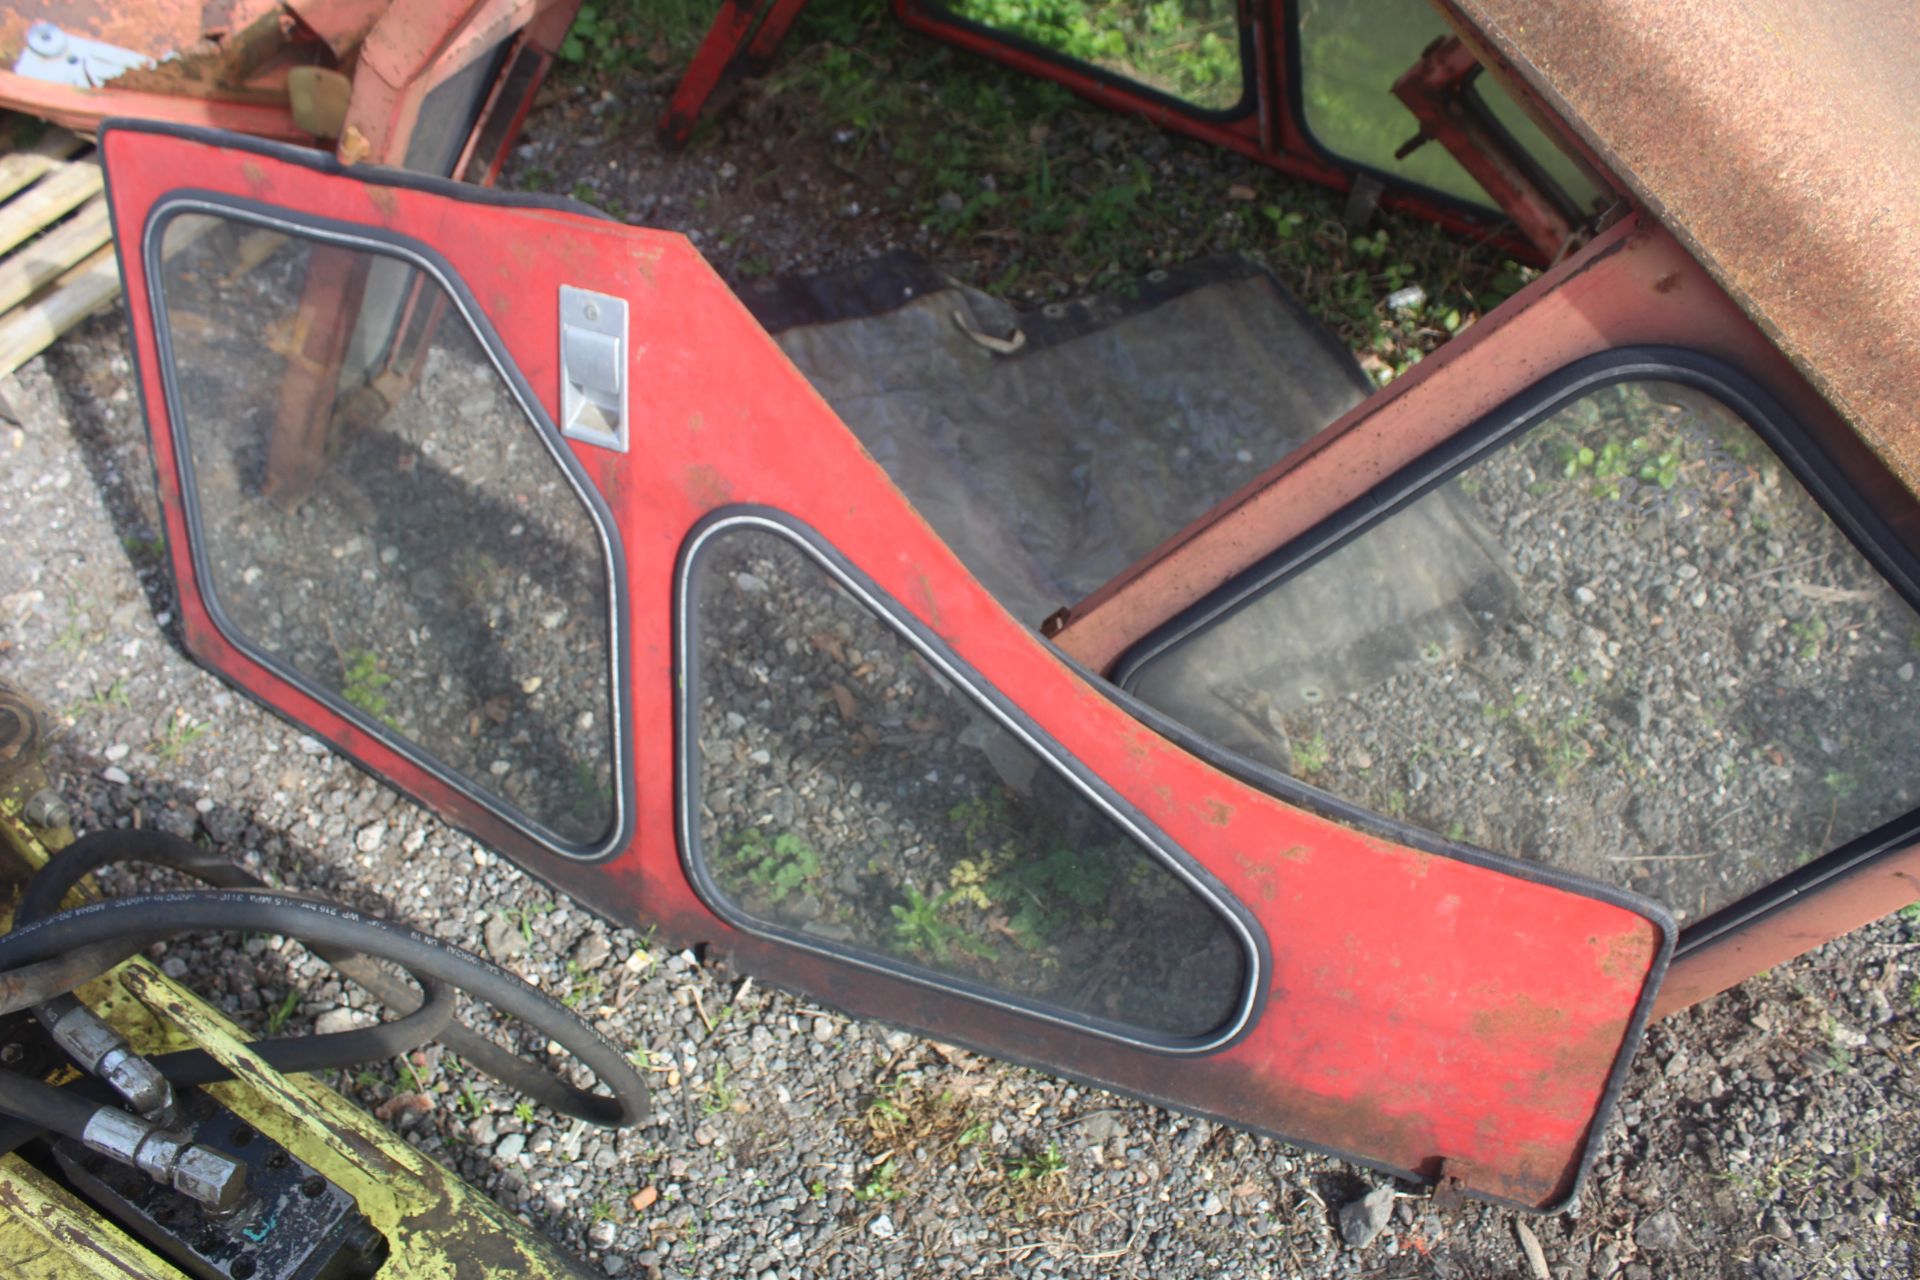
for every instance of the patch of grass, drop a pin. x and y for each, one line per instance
(364, 684)
(113, 697)
(178, 738)
(278, 1015)
(1809, 637)
(1035, 1181)
(1311, 756)
(583, 986)
(879, 1185)
(523, 918)
(614, 38)
(720, 1095)
(523, 1112)
(779, 865)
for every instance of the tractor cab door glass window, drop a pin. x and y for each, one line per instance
(400, 540)
(854, 797)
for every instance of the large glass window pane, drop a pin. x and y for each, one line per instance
(1351, 52)
(1188, 49)
(1628, 643)
(426, 561)
(849, 793)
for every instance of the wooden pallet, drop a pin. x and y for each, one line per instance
(58, 267)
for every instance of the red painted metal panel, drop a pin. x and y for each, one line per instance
(1421, 1007)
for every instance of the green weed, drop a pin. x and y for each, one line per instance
(919, 929)
(879, 1185)
(720, 1094)
(178, 738)
(113, 697)
(779, 866)
(1311, 756)
(363, 683)
(1035, 1166)
(278, 1015)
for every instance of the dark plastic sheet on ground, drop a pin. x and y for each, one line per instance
(1053, 448)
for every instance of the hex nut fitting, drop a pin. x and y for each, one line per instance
(211, 1177)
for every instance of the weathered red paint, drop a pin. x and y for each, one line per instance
(419, 44)
(82, 110)
(1433, 91)
(1856, 897)
(1420, 1008)
(720, 51)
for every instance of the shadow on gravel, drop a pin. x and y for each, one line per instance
(112, 440)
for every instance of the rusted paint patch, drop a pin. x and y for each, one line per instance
(646, 257)
(382, 199)
(924, 597)
(706, 487)
(1625, 958)
(1219, 813)
(1522, 1019)
(1265, 881)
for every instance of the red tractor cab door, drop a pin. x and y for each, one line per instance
(522, 511)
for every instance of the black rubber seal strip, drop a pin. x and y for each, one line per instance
(372, 175)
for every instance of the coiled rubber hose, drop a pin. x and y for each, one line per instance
(48, 954)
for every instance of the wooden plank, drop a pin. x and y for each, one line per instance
(28, 330)
(46, 258)
(23, 167)
(58, 193)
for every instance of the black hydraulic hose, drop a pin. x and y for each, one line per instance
(61, 1110)
(424, 1016)
(98, 849)
(151, 917)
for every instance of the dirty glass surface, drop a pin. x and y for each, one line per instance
(425, 561)
(1628, 643)
(1187, 49)
(1350, 55)
(849, 792)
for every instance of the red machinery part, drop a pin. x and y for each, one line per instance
(1420, 1006)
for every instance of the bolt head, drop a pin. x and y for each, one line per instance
(215, 1180)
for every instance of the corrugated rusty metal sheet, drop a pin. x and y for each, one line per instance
(1778, 139)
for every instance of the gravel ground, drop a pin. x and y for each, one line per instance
(1771, 1132)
